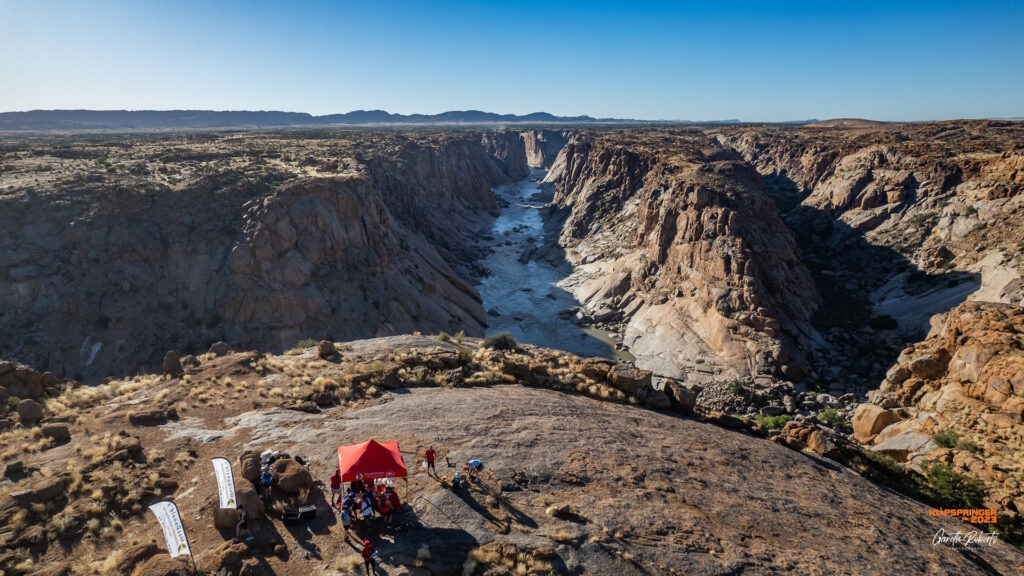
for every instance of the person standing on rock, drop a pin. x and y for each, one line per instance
(369, 554)
(336, 487)
(430, 456)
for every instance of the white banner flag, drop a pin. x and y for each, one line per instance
(174, 533)
(225, 482)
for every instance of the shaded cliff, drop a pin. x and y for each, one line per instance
(118, 248)
(543, 146)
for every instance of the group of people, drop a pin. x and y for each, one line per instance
(367, 499)
(459, 480)
(363, 500)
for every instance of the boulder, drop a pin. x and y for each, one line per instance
(58, 432)
(224, 518)
(164, 565)
(135, 555)
(291, 477)
(249, 465)
(15, 468)
(630, 379)
(902, 446)
(189, 361)
(326, 350)
(172, 363)
(40, 492)
(595, 368)
(219, 348)
(225, 559)
(931, 366)
(870, 419)
(682, 395)
(657, 400)
(153, 417)
(248, 498)
(30, 411)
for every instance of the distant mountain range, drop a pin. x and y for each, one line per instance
(164, 119)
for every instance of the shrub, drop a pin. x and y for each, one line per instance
(444, 336)
(736, 387)
(501, 341)
(967, 445)
(306, 343)
(946, 438)
(832, 418)
(465, 357)
(460, 335)
(950, 488)
(774, 422)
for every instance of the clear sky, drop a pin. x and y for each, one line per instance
(758, 60)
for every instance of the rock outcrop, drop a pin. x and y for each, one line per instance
(562, 443)
(676, 242)
(509, 152)
(963, 386)
(543, 146)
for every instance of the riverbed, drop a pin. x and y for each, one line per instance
(521, 294)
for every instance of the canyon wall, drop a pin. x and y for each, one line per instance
(141, 246)
(676, 244)
(543, 146)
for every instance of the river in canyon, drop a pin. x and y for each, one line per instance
(521, 295)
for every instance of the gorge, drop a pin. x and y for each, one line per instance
(841, 289)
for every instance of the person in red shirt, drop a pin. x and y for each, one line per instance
(369, 553)
(429, 456)
(335, 486)
(384, 506)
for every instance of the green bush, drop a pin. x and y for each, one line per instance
(443, 336)
(774, 422)
(946, 438)
(460, 336)
(736, 387)
(465, 357)
(833, 419)
(306, 343)
(951, 488)
(501, 341)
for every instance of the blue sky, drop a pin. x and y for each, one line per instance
(654, 60)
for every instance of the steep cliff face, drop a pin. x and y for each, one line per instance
(676, 239)
(509, 152)
(966, 377)
(543, 146)
(943, 196)
(896, 222)
(140, 246)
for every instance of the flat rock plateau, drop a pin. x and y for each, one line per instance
(824, 327)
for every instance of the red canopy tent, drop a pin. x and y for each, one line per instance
(372, 460)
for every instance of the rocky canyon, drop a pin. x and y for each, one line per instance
(821, 320)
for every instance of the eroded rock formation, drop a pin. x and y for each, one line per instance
(966, 377)
(543, 146)
(675, 237)
(115, 251)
